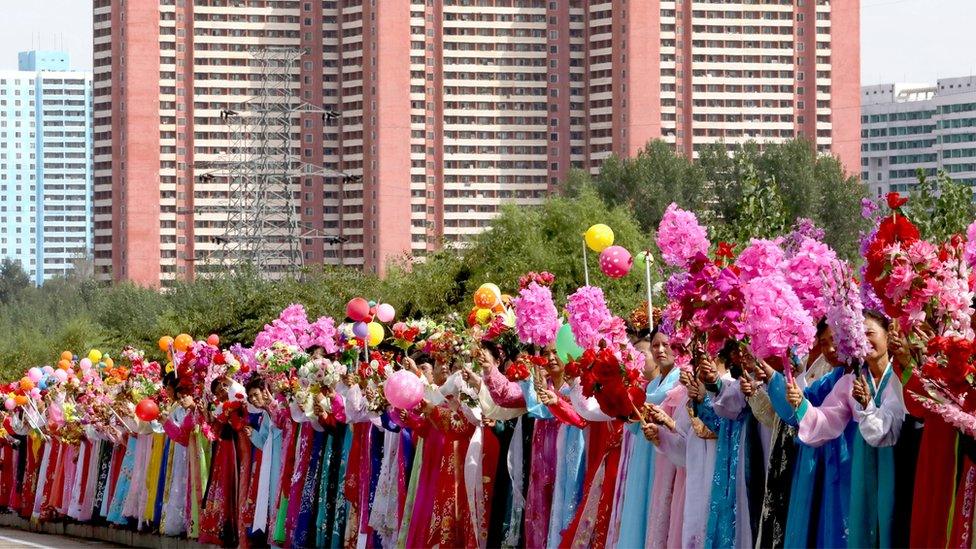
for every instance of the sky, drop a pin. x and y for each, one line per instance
(901, 40)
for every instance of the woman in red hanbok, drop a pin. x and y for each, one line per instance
(219, 517)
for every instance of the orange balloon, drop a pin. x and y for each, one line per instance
(214, 340)
(64, 364)
(67, 356)
(164, 343)
(108, 362)
(182, 342)
(485, 298)
(26, 384)
(498, 308)
(20, 400)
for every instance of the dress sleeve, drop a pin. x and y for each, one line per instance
(587, 408)
(492, 410)
(821, 424)
(706, 413)
(818, 390)
(535, 408)
(567, 413)
(673, 444)
(505, 393)
(260, 435)
(729, 402)
(762, 408)
(881, 425)
(180, 431)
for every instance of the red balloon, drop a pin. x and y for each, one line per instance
(147, 410)
(357, 309)
(213, 339)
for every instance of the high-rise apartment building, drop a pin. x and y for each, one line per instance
(45, 165)
(449, 108)
(907, 127)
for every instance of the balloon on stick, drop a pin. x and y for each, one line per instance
(404, 390)
(599, 237)
(385, 312)
(147, 410)
(616, 261)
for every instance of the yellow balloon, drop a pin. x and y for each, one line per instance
(599, 237)
(95, 356)
(375, 333)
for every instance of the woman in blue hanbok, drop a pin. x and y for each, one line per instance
(634, 523)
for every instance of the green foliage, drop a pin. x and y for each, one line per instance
(13, 279)
(649, 182)
(940, 207)
(740, 192)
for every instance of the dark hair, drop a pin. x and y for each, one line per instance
(421, 357)
(879, 317)
(653, 333)
(214, 384)
(822, 326)
(256, 382)
(315, 348)
(494, 349)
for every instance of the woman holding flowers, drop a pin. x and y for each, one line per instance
(873, 399)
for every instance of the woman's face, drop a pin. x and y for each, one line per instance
(643, 347)
(441, 372)
(221, 393)
(256, 397)
(877, 339)
(661, 351)
(553, 365)
(826, 343)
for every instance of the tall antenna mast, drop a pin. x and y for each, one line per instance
(264, 171)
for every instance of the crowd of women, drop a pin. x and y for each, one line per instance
(773, 401)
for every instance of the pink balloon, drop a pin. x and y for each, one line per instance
(9, 404)
(404, 390)
(35, 393)
(35, 374)
(385, 312)
(85, 364)
(616, 261)
(47, 370)
(61, 376)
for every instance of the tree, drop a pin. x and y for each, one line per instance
(13, 279)
(647, 183)
(940, 207)
(733, 189)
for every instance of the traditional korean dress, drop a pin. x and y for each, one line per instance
(872, 465)
(637, 481)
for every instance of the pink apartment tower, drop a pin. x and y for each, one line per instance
(448, 108)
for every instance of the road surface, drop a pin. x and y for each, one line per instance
(18, 539)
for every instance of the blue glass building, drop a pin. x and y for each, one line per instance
(46, 165)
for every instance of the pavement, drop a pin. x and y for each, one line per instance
(13, 539)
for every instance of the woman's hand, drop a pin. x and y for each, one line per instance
(747, 385)
(860, 391)
(651, 432)
(707, 372)
(471, 378)
(793, 395)
(659, 416)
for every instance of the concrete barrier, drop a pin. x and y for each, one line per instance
(102, 533)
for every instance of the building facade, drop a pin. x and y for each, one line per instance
(907, 127)
(448, 108)
(45, 165)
